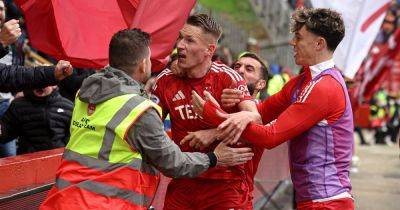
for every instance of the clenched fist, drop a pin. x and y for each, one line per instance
(10, 32)
(63, 69)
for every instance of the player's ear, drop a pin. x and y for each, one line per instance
(261, 84)
(211, 49)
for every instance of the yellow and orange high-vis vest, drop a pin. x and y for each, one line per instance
(99, 169)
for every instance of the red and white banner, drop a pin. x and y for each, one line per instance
(375, 71)
(362, 19)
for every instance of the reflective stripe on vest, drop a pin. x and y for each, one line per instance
(99, 159)
(104, 166)
(107, 190)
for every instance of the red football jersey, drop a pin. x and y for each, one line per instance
(173, 94)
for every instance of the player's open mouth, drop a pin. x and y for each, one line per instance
(181, 56)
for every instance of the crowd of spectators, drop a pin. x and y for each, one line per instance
(31, 119)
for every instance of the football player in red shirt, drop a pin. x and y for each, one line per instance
(256, 74)
(221, 187)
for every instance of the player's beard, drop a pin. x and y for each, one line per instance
(252, 88)
(2, 21)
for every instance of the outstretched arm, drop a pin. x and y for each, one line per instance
(150, 139)
(325, 103)
(17, 78)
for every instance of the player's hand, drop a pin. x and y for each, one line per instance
(231, 97)
(232, 128)
(228, 156)
(200, 139)
(198, 102)
(10, 32)
(62, 70)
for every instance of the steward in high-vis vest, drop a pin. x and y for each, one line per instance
(117, 142)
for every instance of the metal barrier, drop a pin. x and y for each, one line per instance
(25, 179)
(34, 59)
(273, 174)
(271, 179)
(26, 200)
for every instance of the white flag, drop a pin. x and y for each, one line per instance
(362, 19)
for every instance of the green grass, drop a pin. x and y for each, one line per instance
(239, 11)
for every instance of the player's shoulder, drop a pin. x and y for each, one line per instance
(328, 83)
(162, 79)
(321, 88)
(225, 71)
(166, 73)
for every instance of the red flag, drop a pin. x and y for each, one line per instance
(394, 78)
(128, 9)
(375, 70)
(74, 30)
(80, 31)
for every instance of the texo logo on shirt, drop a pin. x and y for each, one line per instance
(186, 112)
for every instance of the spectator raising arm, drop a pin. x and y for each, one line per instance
(17, 78)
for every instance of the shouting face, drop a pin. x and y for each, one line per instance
(193, 47)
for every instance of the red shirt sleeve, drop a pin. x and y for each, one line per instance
(241, 85)
(158, 94)
(233, 80)
(325, 101)
(210, 114)
(274, 105)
